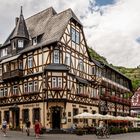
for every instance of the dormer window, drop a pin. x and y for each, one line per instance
(13, 46)
(34, 41)
(4, 52)
(20, 43)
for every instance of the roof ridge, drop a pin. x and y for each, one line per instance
(47, 9)
(63, 11)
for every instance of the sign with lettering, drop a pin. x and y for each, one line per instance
(31, 105)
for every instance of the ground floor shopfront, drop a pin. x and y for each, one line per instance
(52, 115)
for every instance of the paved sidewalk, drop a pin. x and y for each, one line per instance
(14, 135)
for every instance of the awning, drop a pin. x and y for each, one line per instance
(81, 80)
(9, 59)
(56, 67)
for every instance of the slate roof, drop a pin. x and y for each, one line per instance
(48, 23)
(20, 29)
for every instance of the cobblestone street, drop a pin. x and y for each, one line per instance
(12, 135)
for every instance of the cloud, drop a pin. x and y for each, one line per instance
(112, 30)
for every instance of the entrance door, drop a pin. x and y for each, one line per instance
(56, 117)
(17, 118)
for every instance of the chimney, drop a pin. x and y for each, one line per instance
(16, 20)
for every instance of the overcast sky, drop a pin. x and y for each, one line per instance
(112, 27)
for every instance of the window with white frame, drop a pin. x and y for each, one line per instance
(75, 36)
(56, 56)
(4, 52)
(13, 46)
(20, 65)
(67, 59)
(6, 67)
(20, 43)
(98, 71)
(1, 92)
(15, 90)
(30, 62)
(25, 88)
(30, 87)
(80, 89)
(95, 93)
(35, 85)
(56, 82)
(59, 82)
(5, 92)
(81, 65)
(34, 41)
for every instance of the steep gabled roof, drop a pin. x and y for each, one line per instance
(50, 24)
(20, 29)
(46, 22)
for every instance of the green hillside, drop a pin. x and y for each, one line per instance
(96, 56)
(132, 73)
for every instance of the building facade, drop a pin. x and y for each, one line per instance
(135, 103)
(115, 92)
(47, 73)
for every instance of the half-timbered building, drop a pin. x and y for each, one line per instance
(47, 73)
(115, 92)
(135, 103)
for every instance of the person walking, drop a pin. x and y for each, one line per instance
(4, 127)
(28, 124)
(37, 128)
